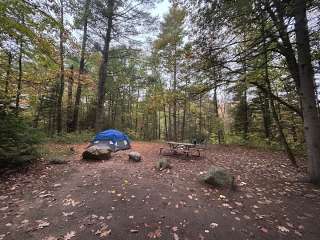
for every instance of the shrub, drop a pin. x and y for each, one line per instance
(133, 135)
(71, 138)
(17, 141)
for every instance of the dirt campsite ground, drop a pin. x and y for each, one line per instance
(122, 200)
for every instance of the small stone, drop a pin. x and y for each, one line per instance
(135, 156)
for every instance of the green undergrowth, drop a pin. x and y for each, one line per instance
(257, 142)
(71, 138)
(17, 141)
(52, 152)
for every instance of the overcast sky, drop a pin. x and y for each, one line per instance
(161, 9)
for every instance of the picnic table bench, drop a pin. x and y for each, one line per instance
(188, 149)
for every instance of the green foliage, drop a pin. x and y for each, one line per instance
(54, 152)
(133, 135)
(17, 21)
(217, 129)
(71, 138)
(17, 141)
(169, 44)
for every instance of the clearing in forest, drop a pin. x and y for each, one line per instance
(118, 199)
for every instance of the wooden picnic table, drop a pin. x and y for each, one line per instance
(185, 148)
(177, 145)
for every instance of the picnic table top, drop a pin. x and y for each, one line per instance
(181, 144)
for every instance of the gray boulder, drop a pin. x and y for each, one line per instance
(97, 152)
(135, 156)
(218, 176)
(162, 164)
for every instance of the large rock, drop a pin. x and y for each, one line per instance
(218, 176)
(162, 164)
(97, 152)
(135, 156)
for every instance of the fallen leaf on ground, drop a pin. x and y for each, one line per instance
(214, 225)
(264, 230)
(67, 214)
(4, 208)
(50, 238)
(42, 224)
(155, 234)
(103, 231)
(175, 236)
(283, 229)
(70, 201)
(69, 235)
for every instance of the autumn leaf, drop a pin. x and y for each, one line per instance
(69, 235)
(103, 231)
(175, 236)
(283, 229)
(155, 234)
(42, 224)
(264, 230)
(66, 214)
(50, 238)
(214, 225)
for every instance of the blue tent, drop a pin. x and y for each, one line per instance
(113, 138)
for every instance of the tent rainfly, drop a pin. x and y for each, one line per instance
(115, 139)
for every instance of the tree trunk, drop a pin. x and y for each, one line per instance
(8, 76)
(169, 123)
(200, 117)
(265, 109)
(215, 101)
(75, 119)
(137, 108)
(282, 136)
(165, 121)
(285, 48)
(244, 105)
(308, 96)
(266, 100)
(159, 124)
(183, 128)
(69, 101)
(61, 86)
(277, 120)
(175, 136)
(19, 85)
(38, 113)
(103, 70)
